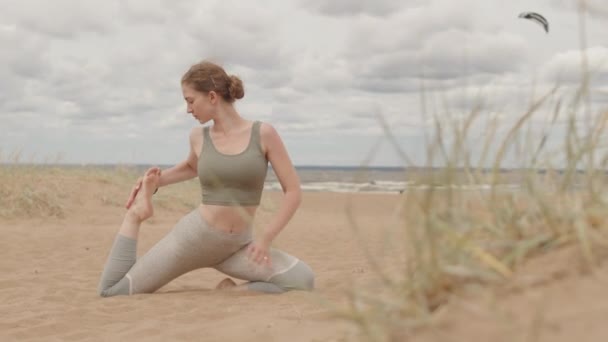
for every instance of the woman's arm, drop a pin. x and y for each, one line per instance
(287, 176)
(186, 169)
(182, 171)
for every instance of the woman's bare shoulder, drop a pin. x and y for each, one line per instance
(269, 136)
(196, 139)
(196, 132)
(267, 130)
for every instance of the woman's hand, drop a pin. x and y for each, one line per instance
(259, 252)
(136, 187)
(134, 191)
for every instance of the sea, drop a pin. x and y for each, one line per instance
(346, 179)
(355, 179)
(371, 179)
(339, 179)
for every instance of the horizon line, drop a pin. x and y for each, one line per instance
(162, 164)
(318, 166)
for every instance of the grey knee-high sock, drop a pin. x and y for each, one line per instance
(120, 260)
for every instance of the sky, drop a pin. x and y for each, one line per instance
(94, 81)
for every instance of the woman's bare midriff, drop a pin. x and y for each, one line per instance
(231, 219)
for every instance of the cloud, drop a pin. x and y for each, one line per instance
(406, 29)
(318, 70)
(479, 55)
(393, 55)
(63, 19)
(320, 73)
(246, 39)
(597, 9)
(566, 67)
(339, 8)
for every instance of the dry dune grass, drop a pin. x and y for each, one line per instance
(455, 246)
(31, 190)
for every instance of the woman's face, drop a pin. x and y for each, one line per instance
(202, 106)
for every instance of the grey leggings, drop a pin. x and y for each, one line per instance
(194, 244)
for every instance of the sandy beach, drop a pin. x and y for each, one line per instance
(50, 267)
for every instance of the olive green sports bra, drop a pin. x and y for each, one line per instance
(232, 179)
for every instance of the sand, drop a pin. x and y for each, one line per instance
(50, 267)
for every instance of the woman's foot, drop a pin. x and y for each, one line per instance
(227, 283)
(142, 209)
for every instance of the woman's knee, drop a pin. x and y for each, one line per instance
(299, 277)
(307, 277)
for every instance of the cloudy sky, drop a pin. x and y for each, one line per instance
(98, 81)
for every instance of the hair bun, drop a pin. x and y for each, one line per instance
(235, 88)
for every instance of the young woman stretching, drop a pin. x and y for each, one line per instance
(230, 158)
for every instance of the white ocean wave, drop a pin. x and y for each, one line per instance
(382, 187)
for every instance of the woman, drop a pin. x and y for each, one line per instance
(230, 158)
